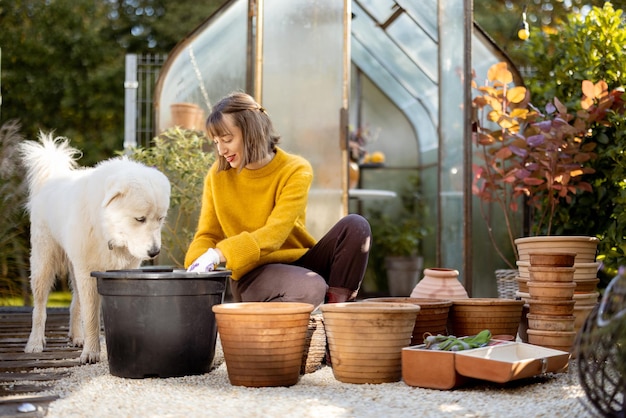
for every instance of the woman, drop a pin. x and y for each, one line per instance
(253, 218)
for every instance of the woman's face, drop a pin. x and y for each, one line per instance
(230, 146)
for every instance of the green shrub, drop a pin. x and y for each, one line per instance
(181, 154)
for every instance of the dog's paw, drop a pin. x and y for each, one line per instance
(34, 346)
(78, 341)
(89, 357)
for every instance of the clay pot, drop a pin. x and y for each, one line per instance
(440, 283)
(558, 340)
(551, 322)
(551, 274)
(586, 270)
(366, 339)
(551, 307)
(551, 290)
(432, 317)
(581, 313)
(522, 285)
(584, 247)
(471, 316)
(586, 285)
(549, 259)
(187, 116)
(263, 342)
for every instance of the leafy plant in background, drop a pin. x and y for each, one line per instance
(590, 47)
(540, 156)
(399, 234)
(14, 228)
(181, 155)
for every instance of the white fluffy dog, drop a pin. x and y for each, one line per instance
(108, 217)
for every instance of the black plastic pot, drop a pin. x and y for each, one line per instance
(159, 322)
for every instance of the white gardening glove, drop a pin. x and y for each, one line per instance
(206, 262)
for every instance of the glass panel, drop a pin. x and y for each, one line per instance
(399, 65)
(380, 9)
(424, 12)
(304, 94)
(452, 131)
(208, 66)
(416, 44)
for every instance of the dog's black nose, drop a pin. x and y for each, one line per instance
(153, 252)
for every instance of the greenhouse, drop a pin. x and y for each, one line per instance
(392, 74)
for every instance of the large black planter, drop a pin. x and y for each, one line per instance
(159, 322)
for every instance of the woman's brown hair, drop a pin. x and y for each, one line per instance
(257, 130)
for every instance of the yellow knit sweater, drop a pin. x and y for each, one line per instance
(255, 217)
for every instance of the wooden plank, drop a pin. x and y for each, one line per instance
(17, 399)
(12, 366)
(32, 377)
(13, 389)
(46, 355)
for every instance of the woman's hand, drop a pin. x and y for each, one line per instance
(206, 262)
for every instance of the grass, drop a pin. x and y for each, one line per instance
(55, 300)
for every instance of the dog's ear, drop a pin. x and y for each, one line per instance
(114, 188)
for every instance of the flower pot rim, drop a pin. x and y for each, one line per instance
(564, 285)
(487, 301)
(430, 302)
(552, 269)
(369, 307)
(582, 238)
(263, 308)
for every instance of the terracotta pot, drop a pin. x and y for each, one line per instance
(586, 270)
(581, 313)
(471, 316)
(558, 340)
(551, 322)
(551, 307)
(588, 299)
(263, 342)
(440, 283)
(188, 116)
(366, 339)
(432, 317)
(552, 259)
(522, 285)
(586, 285)
(522, 268)
(551, 290)
(551, 274)
(584, 247)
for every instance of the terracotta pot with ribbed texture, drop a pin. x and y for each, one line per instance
(263, 342)
(584, 247)
(432, 317)
(471, 316)
(366, 339)
(558, 340)
(552, 259)
(551, 290)
(551, 274)
(440, 283)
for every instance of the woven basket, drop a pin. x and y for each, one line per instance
(507, 283)
(315, 345)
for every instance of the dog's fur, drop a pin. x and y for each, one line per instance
(107, 217)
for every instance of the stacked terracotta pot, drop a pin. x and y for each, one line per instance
(551, 300)
(585, 275)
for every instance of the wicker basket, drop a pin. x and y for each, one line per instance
(315, 345)
(507, 283)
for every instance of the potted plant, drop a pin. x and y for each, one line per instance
(396, 258)
(181, 154)
(539, 156)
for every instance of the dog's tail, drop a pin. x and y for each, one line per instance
(50, 157)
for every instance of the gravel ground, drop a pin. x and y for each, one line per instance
(92, 391)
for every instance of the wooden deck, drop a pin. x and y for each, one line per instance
(20, 377)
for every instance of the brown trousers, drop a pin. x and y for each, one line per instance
(338, 260)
